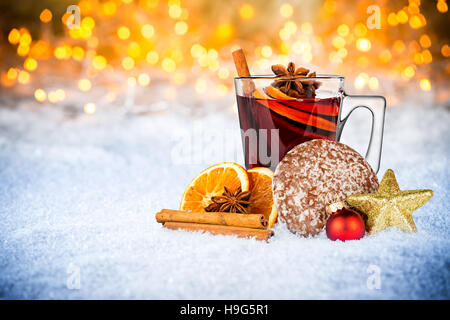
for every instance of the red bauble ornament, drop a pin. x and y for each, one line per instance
(345, 224)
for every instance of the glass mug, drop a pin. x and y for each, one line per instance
(270, 127)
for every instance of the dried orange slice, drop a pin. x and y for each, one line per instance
(260, 94)
(211, 182)
(277, 94)
(261, 200)
(292, 113)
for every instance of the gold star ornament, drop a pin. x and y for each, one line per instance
(390, 207)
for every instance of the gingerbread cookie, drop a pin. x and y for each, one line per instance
(311, 175)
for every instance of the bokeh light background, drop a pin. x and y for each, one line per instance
(136, 53)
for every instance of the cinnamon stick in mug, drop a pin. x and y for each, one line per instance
(242, 70)
(250, 220)
(241, 232)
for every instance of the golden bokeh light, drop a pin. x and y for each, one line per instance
(385, 56)
(197, 50)
(52, 97)
(408, 72)
(361, 80)
(343, 30)
(402, 17)
(147, 31)
(25, 39)
(168, 65)
(445, 50)
(175, 11)
(291, 27)
(360, 30)
(363, 44)
(181, 28)
(342, 52)
(425, 84)
(123, 32)
(134, 50)
(22, 50)
(46, 16)
(84, 84)
(63, 52)
(128, 63)
(266, 51)
(30, 64)
(168, 39)
(143, 79)
(442, 6)
(425, 41)
(338, 42)
(99, 62)
(86, 6)
(392, 19)
(201, 85)
(56, 96)
(89, 108)
(109, 8)
(77, 53)
(418, 58)
(12, 73)
(14, 36)
(286, 10)
(24, 77)
(88, 23)
(246, 11)
(152, 57)
(399, 46)
(65, 18)
(40, 95)
(85, 33)
(224, 32)
(427, 57)
(373, 83)
(60, 94)
(415, 22)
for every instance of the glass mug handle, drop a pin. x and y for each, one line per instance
(377, 106)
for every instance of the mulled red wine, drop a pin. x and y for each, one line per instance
(272, 127)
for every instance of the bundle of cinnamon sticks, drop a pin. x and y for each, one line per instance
(224, 223)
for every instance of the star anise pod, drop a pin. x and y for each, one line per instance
(291, 82)
(229, 201)
(213, 207)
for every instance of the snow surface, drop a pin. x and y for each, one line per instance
(80, 192)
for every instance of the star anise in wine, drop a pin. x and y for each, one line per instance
(230, 201)
(290, 81)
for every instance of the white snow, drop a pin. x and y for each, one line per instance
(80, 192)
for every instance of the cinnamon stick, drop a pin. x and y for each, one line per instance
(256, 221)
(241, 65)
(241, 232)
